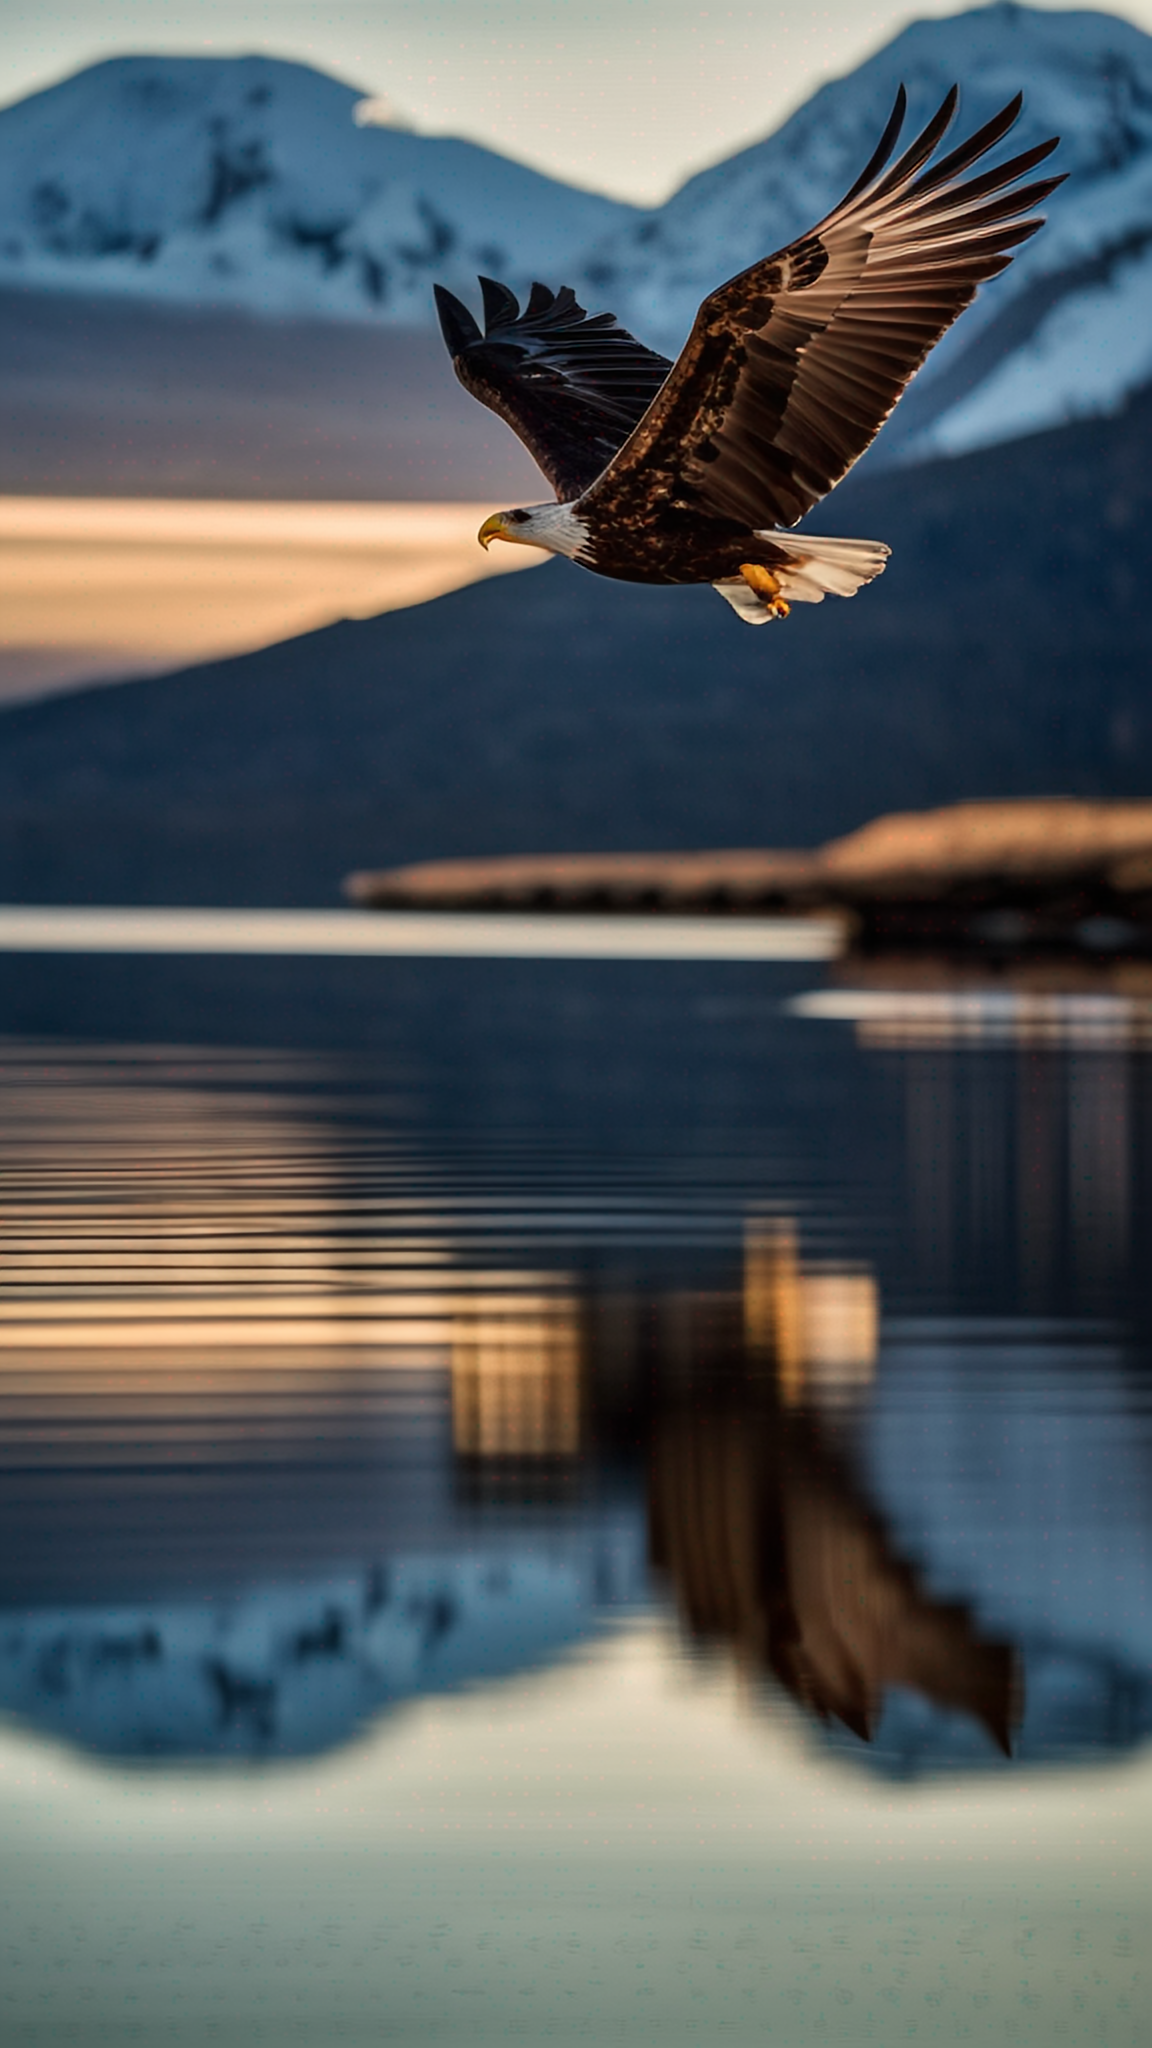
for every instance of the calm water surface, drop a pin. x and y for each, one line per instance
(572, 1500)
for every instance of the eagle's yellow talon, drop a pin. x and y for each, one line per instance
(767, 586)
(759, 579)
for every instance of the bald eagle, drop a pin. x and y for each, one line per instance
(692, 472)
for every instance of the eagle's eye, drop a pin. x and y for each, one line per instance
(519, 518)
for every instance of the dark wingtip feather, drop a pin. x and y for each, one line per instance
(459, 329)
(924, 146)
(547, 310)
(883, 149)
(978, 145)
(501, 306)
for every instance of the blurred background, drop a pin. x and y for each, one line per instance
(227, 420)
(575, 1440)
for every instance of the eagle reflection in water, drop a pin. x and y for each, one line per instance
(771, 1552)
(756, 1523)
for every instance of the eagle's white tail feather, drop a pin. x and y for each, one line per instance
(745, 602)
(816, 568)
(827, 567)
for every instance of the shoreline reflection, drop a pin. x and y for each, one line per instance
(308, 1409)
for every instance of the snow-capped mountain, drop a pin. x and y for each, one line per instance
(1064, 332)
(291, 1669)
(296, 1669)
(251, 184)
(247, 182)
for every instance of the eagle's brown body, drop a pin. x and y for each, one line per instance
(673, 544)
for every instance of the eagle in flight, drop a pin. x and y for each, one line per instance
(693, 471)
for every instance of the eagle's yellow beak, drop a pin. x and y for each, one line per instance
(492, 529)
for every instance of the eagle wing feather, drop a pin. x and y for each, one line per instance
(571, 386)
(792, 367)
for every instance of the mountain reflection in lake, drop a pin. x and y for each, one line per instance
(649, 1335)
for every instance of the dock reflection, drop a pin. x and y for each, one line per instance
(1023, 1096)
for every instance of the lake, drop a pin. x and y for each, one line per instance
(567, 1499)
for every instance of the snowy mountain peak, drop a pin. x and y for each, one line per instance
(253, 182)
(1065, 330)
(262, 185)
(292, 1670)
(1086, 77)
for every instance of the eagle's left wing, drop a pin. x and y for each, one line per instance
(570, 385)
(792, 368)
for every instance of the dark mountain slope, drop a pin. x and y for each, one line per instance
(1006, 652)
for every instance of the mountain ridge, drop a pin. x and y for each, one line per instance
(229, 186)
(247, 182)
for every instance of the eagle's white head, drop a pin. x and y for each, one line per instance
(556, 528)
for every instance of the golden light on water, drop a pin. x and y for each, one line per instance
(1114, 1018)
(819, 1324)
(107, 586)
(516, 1373)
(184, 1261)
(184, 1269)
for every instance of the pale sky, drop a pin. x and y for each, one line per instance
(625, 96)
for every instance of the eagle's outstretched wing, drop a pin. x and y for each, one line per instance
(572, 387)
(792, 368)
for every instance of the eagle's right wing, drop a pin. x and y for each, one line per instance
(571, 386)
(792, 367)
